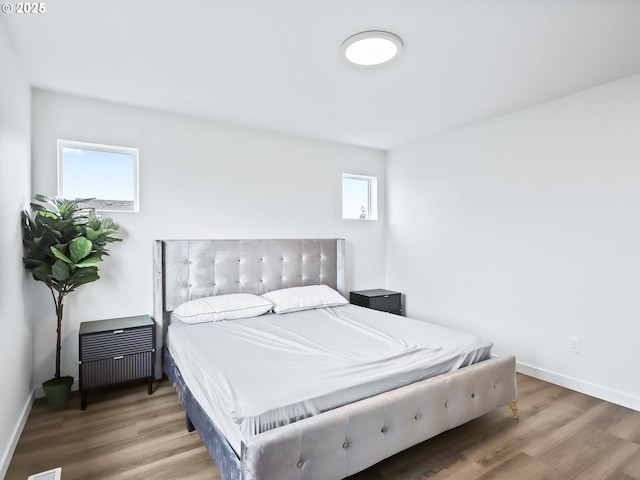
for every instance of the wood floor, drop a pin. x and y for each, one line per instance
(126, 434)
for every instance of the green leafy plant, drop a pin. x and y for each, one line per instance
(63, 243)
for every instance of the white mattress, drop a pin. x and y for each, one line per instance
(255, 374)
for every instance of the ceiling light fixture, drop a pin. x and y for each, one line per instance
(372, 48)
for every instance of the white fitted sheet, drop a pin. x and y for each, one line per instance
(254, 374)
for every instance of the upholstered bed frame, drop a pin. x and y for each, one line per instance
(337, 443)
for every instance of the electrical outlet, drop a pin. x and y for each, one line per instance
(574, 344)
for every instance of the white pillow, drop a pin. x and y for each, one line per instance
(304, 298)
(222, 307)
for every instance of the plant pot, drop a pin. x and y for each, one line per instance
(58, 391)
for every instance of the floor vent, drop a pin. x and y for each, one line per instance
(55, 474)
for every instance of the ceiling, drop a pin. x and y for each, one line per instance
(278, 65)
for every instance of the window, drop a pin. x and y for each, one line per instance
(106, 173)
(359, 197)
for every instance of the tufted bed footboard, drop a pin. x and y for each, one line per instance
(346, 440)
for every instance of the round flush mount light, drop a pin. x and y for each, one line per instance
(372, 48)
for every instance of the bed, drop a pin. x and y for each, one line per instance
(335, 435)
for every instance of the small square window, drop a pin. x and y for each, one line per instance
(359, 197)
(106, 173)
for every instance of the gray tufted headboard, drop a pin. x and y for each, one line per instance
(188, 269)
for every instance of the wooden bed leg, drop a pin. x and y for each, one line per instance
(190, 426)
(514, 408)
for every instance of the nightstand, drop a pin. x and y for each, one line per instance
(116, 350)
(378, 299)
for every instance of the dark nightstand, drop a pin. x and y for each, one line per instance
(114, 351)
(378, 299)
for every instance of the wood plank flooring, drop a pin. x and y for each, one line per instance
(126, 434)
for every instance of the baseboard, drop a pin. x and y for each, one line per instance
(39, 391)
(5, 460)
(598, 391)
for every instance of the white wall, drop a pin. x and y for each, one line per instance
(198, 179)
(15, 171)
(526, 229)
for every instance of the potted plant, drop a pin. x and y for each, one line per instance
(63, 243)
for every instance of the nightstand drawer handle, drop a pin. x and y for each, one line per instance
(386, 296)
(120, 357)
(118, 331)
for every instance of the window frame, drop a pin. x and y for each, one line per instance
(62, 144)
(372, 195)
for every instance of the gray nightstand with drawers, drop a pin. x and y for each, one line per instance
(116, 350)
(378, 299)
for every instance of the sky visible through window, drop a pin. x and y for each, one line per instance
(98, 174)
(355, 196)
